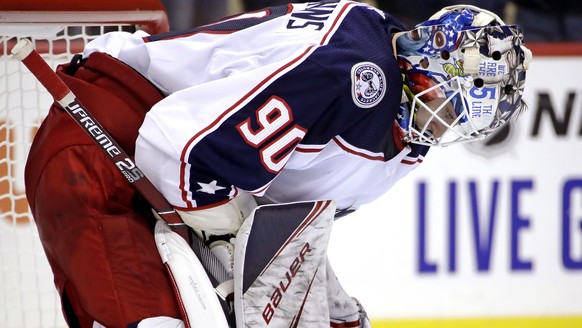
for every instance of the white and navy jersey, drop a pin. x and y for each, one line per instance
(296, 102)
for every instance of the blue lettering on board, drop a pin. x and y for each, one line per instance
(571, 188)
(482, 218)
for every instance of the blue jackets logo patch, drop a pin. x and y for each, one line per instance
(368, 84)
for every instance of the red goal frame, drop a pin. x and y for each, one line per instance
(147, 15)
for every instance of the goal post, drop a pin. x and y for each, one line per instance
(58, 29)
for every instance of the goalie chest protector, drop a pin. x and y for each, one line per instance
(100, 247)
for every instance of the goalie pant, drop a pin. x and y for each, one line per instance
(98, 242)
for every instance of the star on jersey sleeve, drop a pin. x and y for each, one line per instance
(210, 188)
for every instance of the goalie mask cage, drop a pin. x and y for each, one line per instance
(58, 29)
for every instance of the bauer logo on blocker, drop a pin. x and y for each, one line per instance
(367, 84)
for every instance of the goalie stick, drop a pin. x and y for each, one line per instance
(24, 51)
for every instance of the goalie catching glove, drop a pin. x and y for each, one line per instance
(217, 226)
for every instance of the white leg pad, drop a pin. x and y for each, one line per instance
(280, 266)
(344, 310)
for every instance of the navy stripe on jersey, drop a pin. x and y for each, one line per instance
(228, 25)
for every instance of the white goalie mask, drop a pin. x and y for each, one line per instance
(463, 72)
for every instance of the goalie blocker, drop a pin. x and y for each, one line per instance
(96, 231)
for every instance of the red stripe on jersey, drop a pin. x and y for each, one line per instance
(204, 207)
(261, 189)
(309, 148)
(409, 162)
(334, 24)
(347, 148)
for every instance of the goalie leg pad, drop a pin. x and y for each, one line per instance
(344, 310)
(280, 266)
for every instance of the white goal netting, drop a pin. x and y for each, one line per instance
(27, 294)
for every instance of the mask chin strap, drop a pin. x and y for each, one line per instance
(472, 56)
(471, 60)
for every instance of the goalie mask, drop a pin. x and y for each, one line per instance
(464, 73)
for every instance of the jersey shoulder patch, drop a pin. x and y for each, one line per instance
(368, 84)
